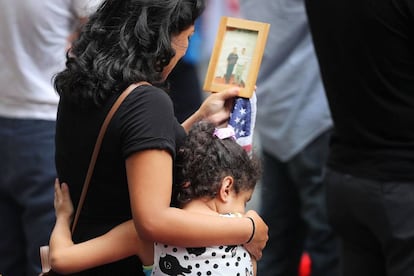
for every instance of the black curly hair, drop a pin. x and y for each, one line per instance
(204, 160)
(124, 41)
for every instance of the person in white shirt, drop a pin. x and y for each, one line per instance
(241, 66)
(34, 36)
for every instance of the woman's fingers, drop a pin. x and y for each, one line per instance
(259, 240)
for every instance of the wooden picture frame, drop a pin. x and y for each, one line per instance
(237, 55)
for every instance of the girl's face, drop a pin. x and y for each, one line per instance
(236, 203)
(180, 44)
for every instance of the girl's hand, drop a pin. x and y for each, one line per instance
(256, 245)
(63, 204)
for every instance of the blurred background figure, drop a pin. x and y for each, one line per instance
(294, 125)
(34, 36)
(366, 55)
(215, 9)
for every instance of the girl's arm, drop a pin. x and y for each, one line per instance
(150, 185)
(119, 243)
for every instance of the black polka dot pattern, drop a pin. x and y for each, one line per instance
(217, 260)
(224, 260)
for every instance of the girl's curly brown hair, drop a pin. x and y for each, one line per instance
(204, 160)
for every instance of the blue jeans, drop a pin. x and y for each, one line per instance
(374, 221)
(27, 173)
(293, 205)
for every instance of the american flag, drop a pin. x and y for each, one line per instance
(242, 119)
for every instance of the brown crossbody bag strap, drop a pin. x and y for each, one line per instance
(97, 147)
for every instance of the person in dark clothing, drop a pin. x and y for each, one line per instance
(366, 55)
(123, 43)
(231, 62)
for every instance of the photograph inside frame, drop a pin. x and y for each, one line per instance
(237, 54)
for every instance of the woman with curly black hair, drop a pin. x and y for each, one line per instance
(126, 42)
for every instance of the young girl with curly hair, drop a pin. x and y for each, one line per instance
(215, 176)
